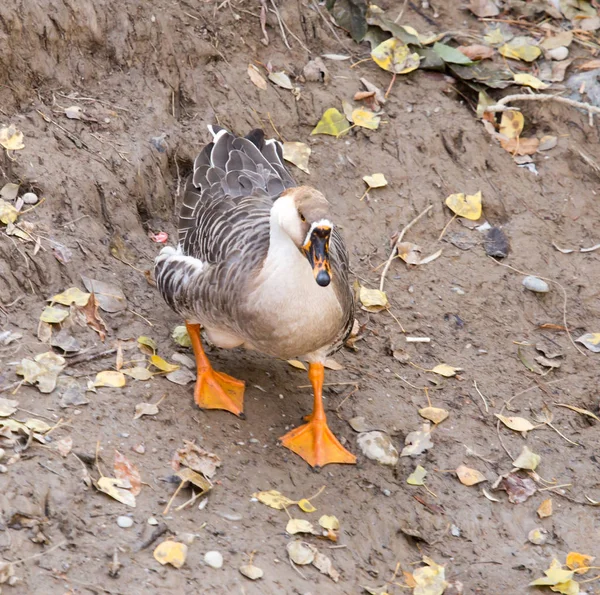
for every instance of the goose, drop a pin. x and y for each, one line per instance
(259, 265)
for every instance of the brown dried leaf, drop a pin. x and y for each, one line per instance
(126, 470)
(476, 51)
(196, 458)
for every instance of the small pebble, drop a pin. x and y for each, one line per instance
(230, 516)
(2, 453)
(124, 522)
(3, 468)
(559, 53)
(535, 284)
(187, 538)
(214, 559)
(139, 448)
(252, 572)
(152, 521)
(254, 440)
(29, 198)
(496, 243)
(203, 504)
(455, 530)
(386, 492)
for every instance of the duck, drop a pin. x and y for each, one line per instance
(260, 265)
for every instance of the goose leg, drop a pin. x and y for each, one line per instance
(214, 390)
(314, 441)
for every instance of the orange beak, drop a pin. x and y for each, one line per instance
(316, 251)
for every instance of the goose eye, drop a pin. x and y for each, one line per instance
(302, 217)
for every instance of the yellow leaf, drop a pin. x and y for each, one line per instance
(569, 588)
(511, 124)
(373, 300)
(181, 337)
(554, 575)
(73, 295)
(580, 563)
(331, 364)
(37, 425)
(591, 341)
(469, 477)
(138, 373)
(256, 77)
(299, 526)
(430, 580)
(274, 499)
(525, 52)
(117, 489)
(329, 522)
(394, 56)
(332, 122)
(530, 81)
(434, 414)
(494, 37)
(445, 369)
(520, 146)
(518, 424)
(148, 342)
(527, 459)
(366, 118)
(375, 181)
(298, 154)
(417, 477)
(145, 409)
(468, 206)
(53, 315)
(306, 506)
(545, 510)
(110, 378)
(161, 364)
(8, 213)
(11, 138)
(296, 364)
(580, 410)
(171, 552)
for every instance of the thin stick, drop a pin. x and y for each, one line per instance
(400, 237)
(273, 127)
(54, 547)
(280, 21)
(561, 434)
(401, 11)
(482, 397)
(502, 107)
(168, 506)
(446, 227)
(564, 291)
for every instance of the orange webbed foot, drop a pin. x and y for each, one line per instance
(216, 390)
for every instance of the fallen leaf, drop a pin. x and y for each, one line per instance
(445, 370)
(430, 579)
(495, 36)
(467, 206)
(590, 65)
(181, 337)
(64, 446)
(511, 124)
(358, 424)
(375, 181)
(332, 122)
(37, 425)
(145, 409)
(545, 510)
(417, 477)
(417, 442)
(365, 118)
(591, 341)
(469, 477)
(373, 300)
(117, 489)
(93, 318)
(298, 154)
(9, 191)
(378, 446)
(546, 143)
(196, 458)
(483, 8)
(149, 343)
(538, 536)
(518, 424)
(579, 562)
(570, 587)
(518, 489)
(520, 146)
(73, 112)
(257, 78)
(527, 460)
(305, 505)
(43, 370)
(138, 373)
(554, 575)
(127, 471)
(525, 52)
(331, 364)
(394, 56)
(579, 410)
(187, 475)
(300, 552)
(329, 522)
(325, 566)
(281, 79)
(53, 315)
(8, 213)
(434, 414)
(162, 365)
(476, 51)
(7, 407)
(449, 54)
(109, 297)
(171, 552)
(110, 378)
(73, 295)
(299, 526)
(252, 572)
(11, 138)
(489, 496)
(528, 80)
(297, 364)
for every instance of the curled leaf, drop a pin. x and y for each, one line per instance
(117, 489)
(373, 300)
(299, 526)
(329, 522)
(274, 499)
(305, 505)
(527, 460)
(162, 365)
(518, 424)
(417, 477)
(11, 138)
(375, 181)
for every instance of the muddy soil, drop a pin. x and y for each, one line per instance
(150, 76)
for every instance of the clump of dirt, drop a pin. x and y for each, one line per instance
(149, 78)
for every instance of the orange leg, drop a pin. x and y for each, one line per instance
(214, 390)
(314, 441)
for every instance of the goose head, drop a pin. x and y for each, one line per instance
(303, 213)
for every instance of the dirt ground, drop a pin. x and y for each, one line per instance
(151, 76)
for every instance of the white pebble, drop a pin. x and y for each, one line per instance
(2, 453)
(536, 284)
(152, 521)
(214, 559)
(3, 468)
(29, 198)
(124, 522)
(559, 53)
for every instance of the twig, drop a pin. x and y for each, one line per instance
(401, 11)
(263, 22)
(564, 291)
(446, 227)
(54, 547)
(482, 397)
(80, 359)
(400, 237)
(158, 532)
(280, 21)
